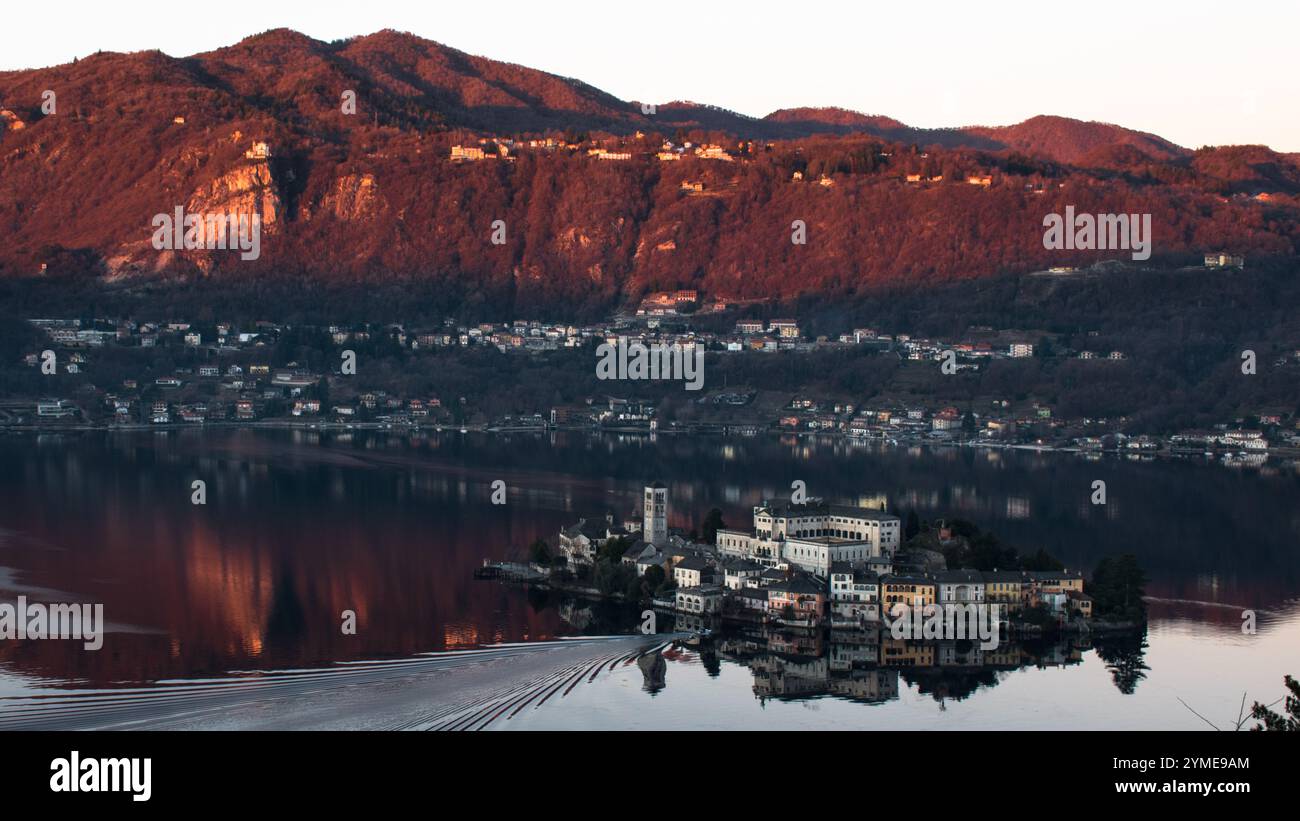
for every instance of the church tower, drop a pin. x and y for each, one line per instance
(655, 527)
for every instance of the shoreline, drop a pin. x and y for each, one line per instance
(1222, 457)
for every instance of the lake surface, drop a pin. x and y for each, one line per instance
(302, 525)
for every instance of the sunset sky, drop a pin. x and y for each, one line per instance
(1197, 73)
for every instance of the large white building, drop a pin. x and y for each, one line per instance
(813, 536)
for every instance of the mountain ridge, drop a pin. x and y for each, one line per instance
(492, 88)
(344, 196)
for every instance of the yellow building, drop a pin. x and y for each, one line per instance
(1038, 584)
(1004, 587)
(1057, 581)
(913, 591)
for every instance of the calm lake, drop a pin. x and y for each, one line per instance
(302, 525)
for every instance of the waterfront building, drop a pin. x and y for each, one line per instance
(699, 599)
(960, 587)
(1055, 602)
(1003, 587)
(911, 590)
(854, 595)
(799, 597)
(1080, 603)
(1050, 588)
(57, 408)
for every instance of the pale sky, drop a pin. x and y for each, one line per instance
(1195, 72)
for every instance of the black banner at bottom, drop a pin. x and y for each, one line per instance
(147, 771)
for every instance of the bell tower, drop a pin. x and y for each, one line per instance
(655, 515)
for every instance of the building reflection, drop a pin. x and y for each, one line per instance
(871, 666)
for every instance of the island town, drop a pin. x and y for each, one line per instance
(812, 564)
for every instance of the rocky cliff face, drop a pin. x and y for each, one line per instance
(247, 190)
(11, 121)
(353, 197)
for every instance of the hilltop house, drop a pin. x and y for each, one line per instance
(464, 153)
(1222, 259)
(261, 150)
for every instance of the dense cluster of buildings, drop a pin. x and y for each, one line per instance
(808, 564)
(234, 381)
(853, 595)
(646, 148)
(613, 149)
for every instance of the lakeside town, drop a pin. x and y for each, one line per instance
(811, 564)
(115, 373)
(362, 381)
